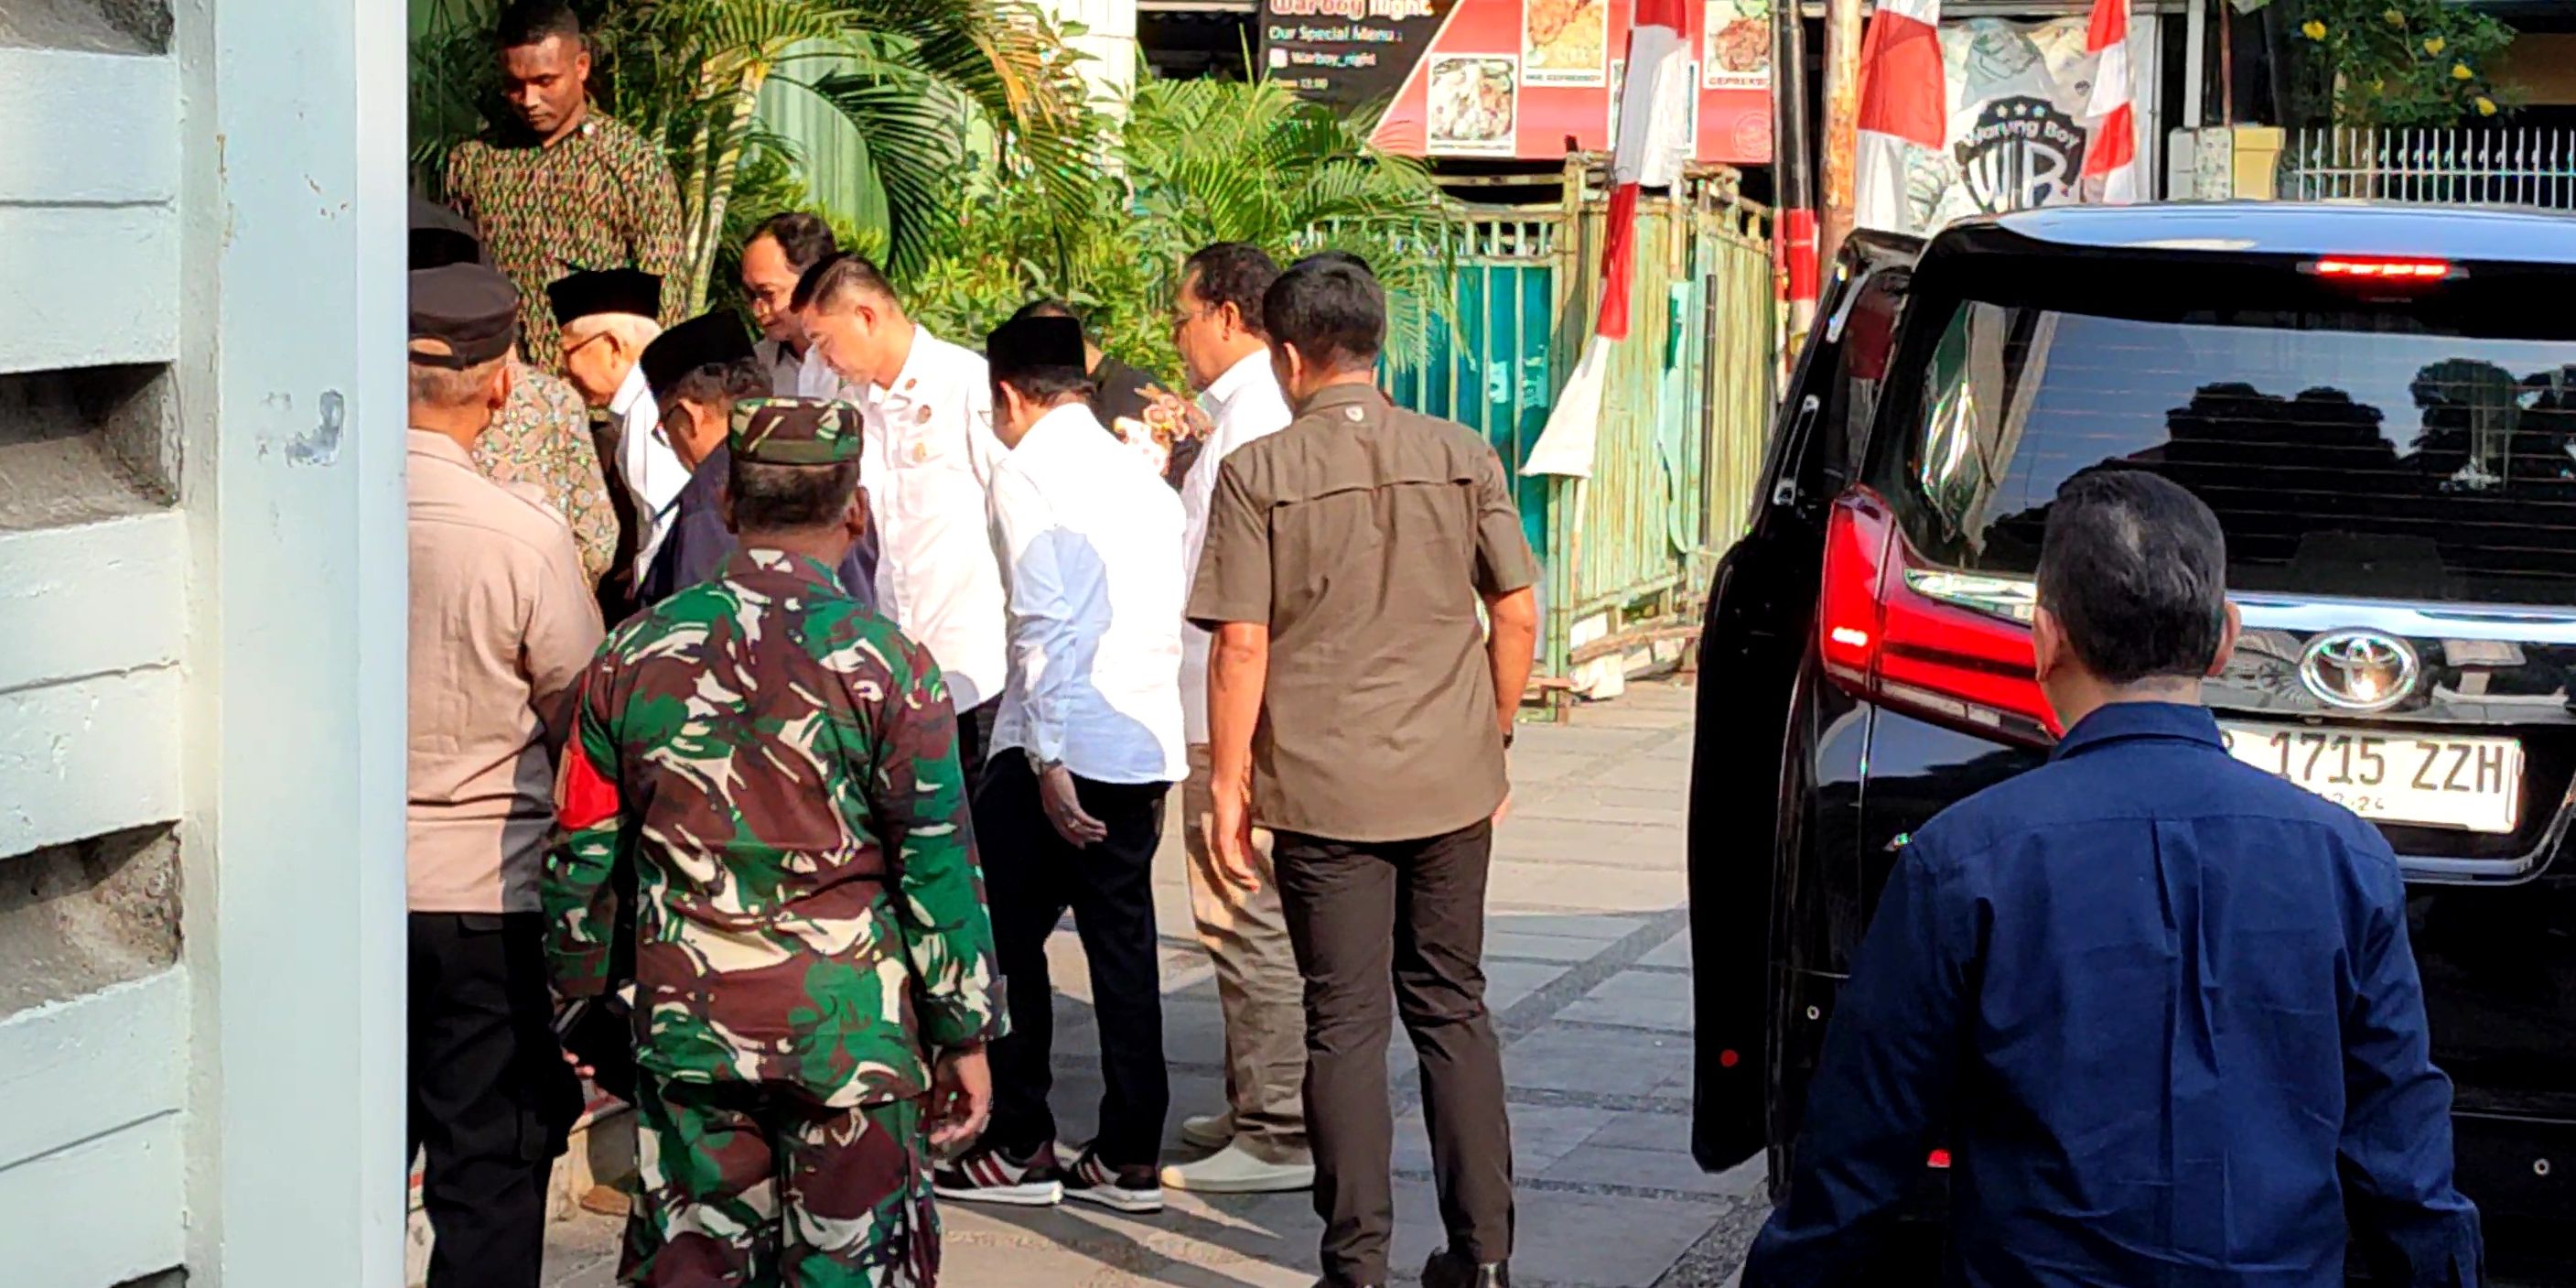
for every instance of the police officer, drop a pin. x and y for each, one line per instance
(2157, 1004)
(1345, 560)
(813, 960)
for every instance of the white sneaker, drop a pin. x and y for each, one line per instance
(1208, 1131)
(1235, 1170)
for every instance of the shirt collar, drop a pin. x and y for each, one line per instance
(916, 364)
(1246, 371)
(2122, 721)
(758, 564)
(429, 443)
(1069, 416)
(1350, 395)
(631, 390)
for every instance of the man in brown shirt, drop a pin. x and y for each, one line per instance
(502, 623)
(1357, 710)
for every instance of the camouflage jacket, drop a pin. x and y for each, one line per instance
(779, 766)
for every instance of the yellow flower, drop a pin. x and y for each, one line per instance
(2486, 106)
(2460, 71)
(2395, 19)
(2435, 46)
(2313, 29)
(2378, 85)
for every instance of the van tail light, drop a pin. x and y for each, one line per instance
(1951, 647)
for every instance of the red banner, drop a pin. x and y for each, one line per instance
(1518, 78)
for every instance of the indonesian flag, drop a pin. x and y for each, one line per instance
(1903, 104)
(1647, 154)
(2112, 156)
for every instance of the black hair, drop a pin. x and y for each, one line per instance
(835, 278)
(1236, 273)
(1339, 257)
(786, 498)
(719, 384)
(1047, 386)
(2134, 569)
(1045, 309)
(803, 238)
(533, 22)
(1329, 309)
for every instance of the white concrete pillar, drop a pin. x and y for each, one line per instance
(293, 398)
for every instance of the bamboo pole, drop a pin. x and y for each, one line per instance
(1842, 124)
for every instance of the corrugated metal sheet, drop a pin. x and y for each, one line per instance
(832, 157)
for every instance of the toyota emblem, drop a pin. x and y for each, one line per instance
(2359, 670)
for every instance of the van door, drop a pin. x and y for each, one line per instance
(1760, 617)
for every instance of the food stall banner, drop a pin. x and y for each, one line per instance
(2019, 94)
(1517, 78)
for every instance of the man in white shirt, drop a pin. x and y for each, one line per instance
(927, 468)
(1260, 1138)
(777, 257)
(607, 319)
(1087, 745)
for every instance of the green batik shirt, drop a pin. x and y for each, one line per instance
(599, 197)
(542, 436)
(779, 766)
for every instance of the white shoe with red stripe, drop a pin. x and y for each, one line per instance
(985, 1174)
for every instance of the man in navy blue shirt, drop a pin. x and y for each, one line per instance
(2157, 1004)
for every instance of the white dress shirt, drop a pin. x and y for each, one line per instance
(786, 368)
(1244, 404)
(1087, 534)
(927, 463)
(647, 466)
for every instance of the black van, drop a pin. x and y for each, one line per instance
(2380, 405)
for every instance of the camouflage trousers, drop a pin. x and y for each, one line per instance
(753, 1184)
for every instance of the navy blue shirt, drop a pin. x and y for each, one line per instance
(700, 543)
(2160, 1008)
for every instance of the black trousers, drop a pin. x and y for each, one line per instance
(1359, 915)
(491, 1098)
(974, 742)
(1031, 876)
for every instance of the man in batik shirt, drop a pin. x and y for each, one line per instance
(813, 962)
(560, 188)
(542, 435)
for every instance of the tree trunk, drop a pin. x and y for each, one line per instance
(732, 123)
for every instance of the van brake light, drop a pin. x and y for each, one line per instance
(2352, 268)
(1949, 646)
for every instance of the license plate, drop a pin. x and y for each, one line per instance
(2473, 784)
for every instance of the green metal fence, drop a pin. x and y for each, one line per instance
(1628, 552)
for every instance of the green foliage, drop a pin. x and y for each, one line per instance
(1198, 161)
(2403, 62)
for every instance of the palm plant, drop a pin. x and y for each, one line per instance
(1199, 161)
(908, 74)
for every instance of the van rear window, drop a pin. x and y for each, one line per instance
(2344, 454)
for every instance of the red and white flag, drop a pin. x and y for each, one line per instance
(1903, 105)
(2112, 156)
(1652, 144)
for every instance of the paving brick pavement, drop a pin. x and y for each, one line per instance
(1588, 961)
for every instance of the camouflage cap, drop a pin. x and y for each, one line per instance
(794, 431)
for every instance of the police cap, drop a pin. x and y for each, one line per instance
(462, 316)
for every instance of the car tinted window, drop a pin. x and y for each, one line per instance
(2344, 454)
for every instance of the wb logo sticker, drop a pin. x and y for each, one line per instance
(2022, 152)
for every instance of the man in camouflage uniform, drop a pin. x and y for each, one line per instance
(813, 961)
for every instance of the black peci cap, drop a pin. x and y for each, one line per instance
(607, 290)
(699, 342)
(440, 236)
(1026, 346)
(462, 316)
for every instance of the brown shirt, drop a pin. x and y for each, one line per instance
(1364, 536)
(502, 623)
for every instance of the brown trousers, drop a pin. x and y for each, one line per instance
(1257, 985)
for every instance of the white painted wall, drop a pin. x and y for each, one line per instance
(233, 208)
(1109, 37)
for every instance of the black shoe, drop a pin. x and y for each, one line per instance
(1448, 1270)
(1137, 1191)
(988, 1174)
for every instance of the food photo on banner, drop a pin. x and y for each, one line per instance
(1515, 79)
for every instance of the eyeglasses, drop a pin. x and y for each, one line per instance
(571, 349)
(1182, 317)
